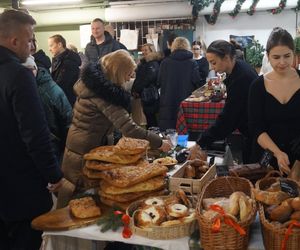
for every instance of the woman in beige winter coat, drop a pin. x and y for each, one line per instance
(101, 106)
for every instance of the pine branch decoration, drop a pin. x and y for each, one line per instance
(280, 7)
(237, 8)
(252, 8)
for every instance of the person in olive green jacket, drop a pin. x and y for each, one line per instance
(101, 106)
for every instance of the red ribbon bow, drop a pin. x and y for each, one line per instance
(288, 233)
(216, 227)
(126, 233)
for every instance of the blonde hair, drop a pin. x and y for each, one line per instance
(181, 43)
(72, 47)
(150, 46)
(117, 66)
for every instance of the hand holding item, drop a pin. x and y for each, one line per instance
(165, 146)
(56, 186)
(283, 162)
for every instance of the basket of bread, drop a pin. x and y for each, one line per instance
(279, 212)
(225, 210)
(163, 217)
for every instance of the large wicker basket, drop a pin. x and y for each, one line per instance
(158, 232)
(227, 237)
(274, 233)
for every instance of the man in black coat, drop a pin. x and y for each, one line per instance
(29, 169)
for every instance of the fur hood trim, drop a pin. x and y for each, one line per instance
(94, 79)
(153, 56)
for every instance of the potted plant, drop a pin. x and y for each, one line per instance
(255, 54)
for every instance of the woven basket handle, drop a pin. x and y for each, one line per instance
(272, 173)
(234, 173)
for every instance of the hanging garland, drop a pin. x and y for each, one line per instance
(199, 5)
(280, 7)
(252, 8)
(211, 19)
(237, 8)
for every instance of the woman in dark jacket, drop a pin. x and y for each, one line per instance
(178, 78)
(222, 58)
(65, 66)
(146, 77)
(201, 61)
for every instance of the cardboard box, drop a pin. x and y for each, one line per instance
(193, 186)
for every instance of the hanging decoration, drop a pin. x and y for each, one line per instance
(280, 7)
(211, 19)
(252, 8)
(199, 5)
(237, 8)
(297, 8)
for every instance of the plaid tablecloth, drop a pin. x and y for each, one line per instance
(195, 116)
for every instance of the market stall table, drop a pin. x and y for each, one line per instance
(195, 116)
(93, 233)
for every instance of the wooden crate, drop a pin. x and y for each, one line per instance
(195, 186)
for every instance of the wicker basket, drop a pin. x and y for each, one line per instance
(227, 237)
(157, 232)
(274, 233)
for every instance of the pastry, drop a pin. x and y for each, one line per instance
(127, 145)
(170, 223)
(126, 196)
(157, 215)
(282, 213)
(270, 198)
(295, 216)
(154, 202)
(107, 154)
(177, 210)
(84, 208)
(131, 175)
(245, 207)
(101, 165)
(295, 203)
(154, 183)
(234, 206)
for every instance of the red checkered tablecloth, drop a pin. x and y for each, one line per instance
(195, 116)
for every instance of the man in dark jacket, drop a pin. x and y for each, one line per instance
(101, 43)
(28, 163)
(65, 66)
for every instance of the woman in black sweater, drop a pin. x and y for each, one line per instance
(274, 104)
(222, 58)
(200, 60)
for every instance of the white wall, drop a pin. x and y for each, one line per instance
(259, 25)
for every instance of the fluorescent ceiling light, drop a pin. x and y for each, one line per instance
(43, 2)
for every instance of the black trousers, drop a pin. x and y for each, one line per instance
(19, 236)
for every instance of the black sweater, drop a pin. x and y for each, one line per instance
(280, 121)
(234, 115)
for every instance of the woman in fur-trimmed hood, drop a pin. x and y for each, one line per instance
(146, 76)
(100, 107)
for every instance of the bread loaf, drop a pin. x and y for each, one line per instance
(295, 215)
(270, 198)
(296, 203)
(245, 205)
(234, 207)
(282, 213)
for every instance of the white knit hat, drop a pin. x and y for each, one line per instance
(30, 63)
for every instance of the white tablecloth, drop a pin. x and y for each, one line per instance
(93, 233)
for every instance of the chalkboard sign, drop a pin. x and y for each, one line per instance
(289, 187)
(266, 158)
(222, 170)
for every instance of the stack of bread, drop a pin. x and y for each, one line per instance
(238, 206)
(125, 176)
(279, 206)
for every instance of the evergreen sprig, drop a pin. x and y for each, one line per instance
(237, 8)
(211, 19)
(252, 7)
(280, 7)
(199, 5)
(255, 54)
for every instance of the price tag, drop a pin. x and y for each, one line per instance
(222, 170)
(289, 187)
(266, 158)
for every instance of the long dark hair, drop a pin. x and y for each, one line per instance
(222, 48)
(280, 36)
